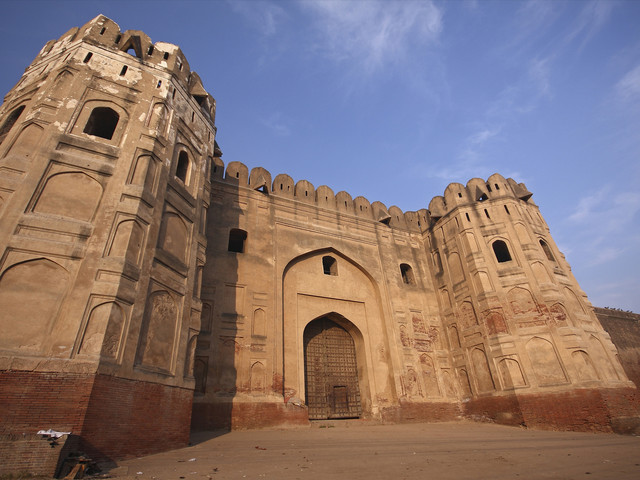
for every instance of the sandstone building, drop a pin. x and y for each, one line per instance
(145, 287)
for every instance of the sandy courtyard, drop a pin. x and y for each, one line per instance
(353, 450)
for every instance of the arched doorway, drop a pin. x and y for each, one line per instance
(331, 373)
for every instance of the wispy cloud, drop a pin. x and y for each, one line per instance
(628, 88)
(265, 17)
(592, 18)
(483, 135)
(371, 35)
(607, 219)
(278, 124)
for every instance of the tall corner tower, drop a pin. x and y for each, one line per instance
(106, 144)
(525, 342)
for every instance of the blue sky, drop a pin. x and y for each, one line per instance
(395, 100)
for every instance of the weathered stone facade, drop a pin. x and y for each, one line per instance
(137, 270)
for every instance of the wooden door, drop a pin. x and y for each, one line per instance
(331, 374)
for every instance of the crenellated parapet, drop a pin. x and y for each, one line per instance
(105, 34)
(282, 185)
(456, 195)
(475, 192)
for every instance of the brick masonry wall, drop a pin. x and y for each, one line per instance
(115, 418)
(500, 409)
(32, 401)
(603, 410)
(240, 416)
(408, 412)
(127, 418)
(31, 454)
(624, 329)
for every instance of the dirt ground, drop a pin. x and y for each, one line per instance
(356, 450)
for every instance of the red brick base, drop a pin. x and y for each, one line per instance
(605, 410)
(421, 412)
(238, 416)
(114, 418)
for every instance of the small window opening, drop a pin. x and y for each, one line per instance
(306, 194)
(329, 266)
(166, 55)
(87, 58)
(179, 63)
(280, 186)
(547, 251)
(467, 215)
(360, 207)
(10, 122)
(159, 84)
(102, 122)
(483, 197)
(501, 251)
(193, 115)
(182, 170)
(103, 30)
(507, 210)
(150, 51)
(237, 174)
(497, 186)
(173, 95)
(118, 38)
(237, 239)
(123, 71)
(489, 187)
(345, 203)
(486, 212)
(215, 169)
(459, 195)
(407, 274)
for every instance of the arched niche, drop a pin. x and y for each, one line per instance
(30, 296)
(259, 323)
(174, 236)
(352, 300)
(258, 378)
(127, 241)
(521, 301)
(545, 362)
(158, 118)
(157, 337)
(455, 268)
(144, 171)
(583, 366)
(429, 376)
(27, 141)
(103, 331)
(74, 195)
(484, 379)
(510, 373)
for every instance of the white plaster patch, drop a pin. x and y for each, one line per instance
(142, 117)
(111, 89)
(60, 126)
(71, 103)
(167, 47)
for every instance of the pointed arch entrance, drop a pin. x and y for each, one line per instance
(331, 373)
